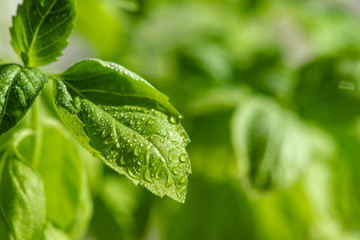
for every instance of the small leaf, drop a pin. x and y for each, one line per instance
(117, 116)
(19, 88)
(273, 147)
(40, 30)
(22, 198)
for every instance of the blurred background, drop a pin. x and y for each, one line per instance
(269, 91)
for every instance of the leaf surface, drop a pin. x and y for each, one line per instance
(60, 168)
(122, 119)
(40, 30)
(19, 88)
(22, 198)
(273, 147)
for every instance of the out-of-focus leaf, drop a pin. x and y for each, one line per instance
(83, 212)
(19, 88)
(52, 233)
(5, 232)
(221, 207)
(105, 29)
(273, 147)
(22, 198)
(127, 207)
(40, 30)
(110, 111)
(327, 92)
(60, 168)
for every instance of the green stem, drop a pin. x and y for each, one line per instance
(34, 125)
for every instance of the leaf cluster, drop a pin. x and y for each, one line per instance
(112, 112)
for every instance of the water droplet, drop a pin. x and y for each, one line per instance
(117, 145)
(183, 158)
(137, 150)
(104, 133)
(147, 175)
(132, 122)
(121, 161)
(169, 180)
(108, 141)
(158, 173)
(150, 122)
(183, 180)
(147, 157)
(175, 171)
(133, 173)
(115, 155)
(172, 119)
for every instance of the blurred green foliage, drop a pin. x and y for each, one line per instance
(274, 78)
(296, 60)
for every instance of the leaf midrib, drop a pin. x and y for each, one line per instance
(133, 130)
(8, 93)
(37, 29)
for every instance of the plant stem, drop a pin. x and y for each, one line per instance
(34, 124)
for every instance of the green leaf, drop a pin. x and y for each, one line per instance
(19, 88)
(61, 169)
(273, 147)
(22, 198)
(53, 233)
(116, 115)
(83, 212)
(110, 84)
(5, 232)
(40, 30)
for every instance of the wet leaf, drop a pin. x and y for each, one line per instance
(122, 119)
(19, 88)
(40, 30)
(22, 198)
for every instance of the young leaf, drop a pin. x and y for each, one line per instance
(22, 199)
(19, 88)
(40, 30)
(272, 145)
(117, 116)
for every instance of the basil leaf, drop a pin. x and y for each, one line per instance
(53, 233)
(116, 116)
(22, 198)
(273, 147)
(61, 169)
(108, 83)
(5, 232)
(83, 212)
(40, 30)
(19, 88)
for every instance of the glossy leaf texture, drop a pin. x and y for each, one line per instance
(40, 30)
(111, 84)
(19, 88)
(273, 147)
(117, 116)
(22, 198)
